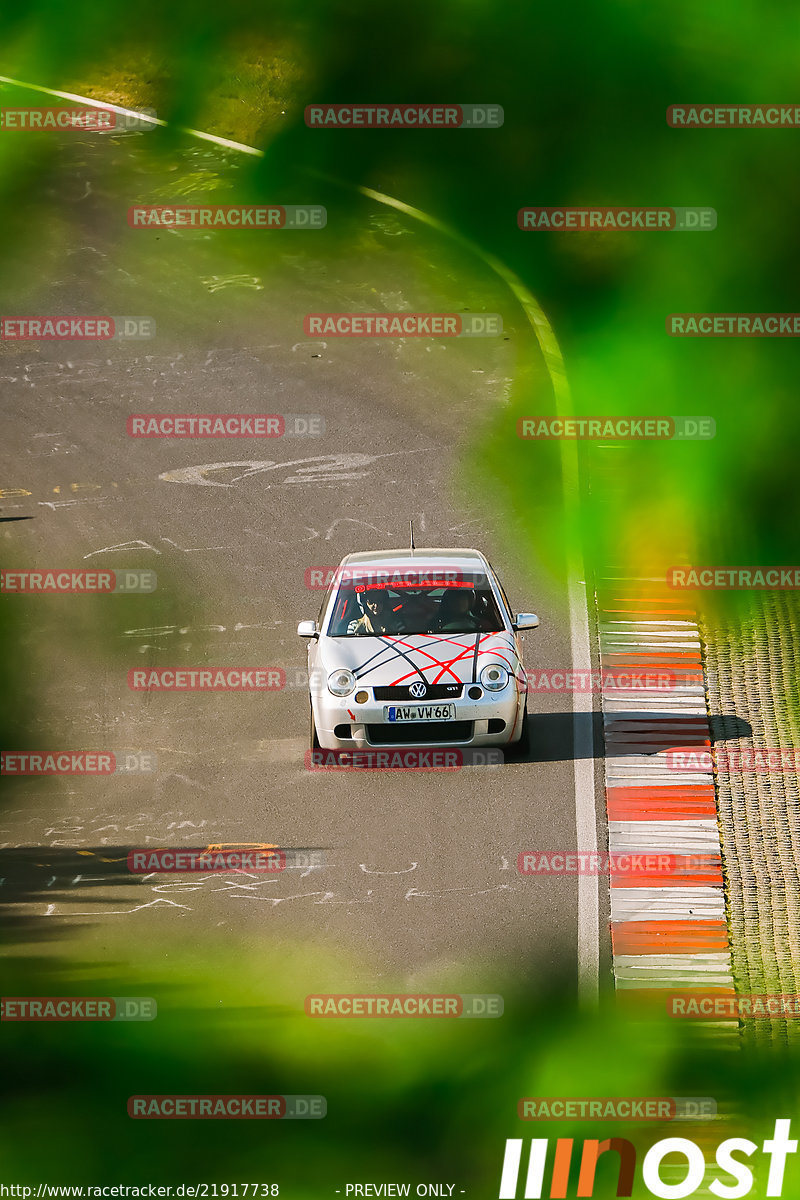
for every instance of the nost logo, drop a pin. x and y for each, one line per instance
(559, 1165)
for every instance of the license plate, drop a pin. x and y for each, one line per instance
(419, 712)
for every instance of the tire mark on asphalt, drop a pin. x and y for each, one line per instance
(322, 468)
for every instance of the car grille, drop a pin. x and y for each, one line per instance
(436, 691)
(418, 732)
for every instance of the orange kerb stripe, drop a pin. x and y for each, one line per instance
(660, 804)
(668, 937)
(710, 877)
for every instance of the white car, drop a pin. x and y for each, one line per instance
(416, 648)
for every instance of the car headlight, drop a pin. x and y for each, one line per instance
(494, 677)
(341, 683)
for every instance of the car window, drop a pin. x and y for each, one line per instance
(385, 609)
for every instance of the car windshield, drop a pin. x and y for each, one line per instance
(366, 609)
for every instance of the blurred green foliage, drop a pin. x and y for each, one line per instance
(421, 1100)
(584, 102)
(584, 93)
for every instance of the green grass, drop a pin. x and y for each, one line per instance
(248, 90)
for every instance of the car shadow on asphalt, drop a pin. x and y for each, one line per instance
(555, 735)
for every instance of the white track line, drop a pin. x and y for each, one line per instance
(131, 112)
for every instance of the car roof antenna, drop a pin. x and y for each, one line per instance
(411, 527)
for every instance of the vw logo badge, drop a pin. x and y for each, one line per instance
(418, 690)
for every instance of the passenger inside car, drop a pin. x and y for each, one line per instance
(378, 617)
(456, 612)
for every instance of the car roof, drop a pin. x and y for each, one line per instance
(455, 557)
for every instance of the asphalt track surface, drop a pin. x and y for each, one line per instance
(419, 888)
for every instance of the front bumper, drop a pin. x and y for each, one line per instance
(471, 726)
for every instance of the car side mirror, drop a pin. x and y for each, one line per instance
(526, 621)
(308, 629)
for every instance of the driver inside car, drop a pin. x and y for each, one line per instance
(378, 615)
